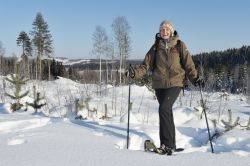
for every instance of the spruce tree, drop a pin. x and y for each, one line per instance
(61, 69)
(53, 68)
(243, 72)
(2, 52)
(37, 99)
(18, 82)
(42, 40)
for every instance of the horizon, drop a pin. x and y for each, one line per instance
(203, 26)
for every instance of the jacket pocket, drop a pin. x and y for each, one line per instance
(158, 81)
(157, 77)
(174, 70)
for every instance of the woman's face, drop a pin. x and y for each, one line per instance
(165, 32)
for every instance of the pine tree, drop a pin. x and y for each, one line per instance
(24, 41)
(17, 96)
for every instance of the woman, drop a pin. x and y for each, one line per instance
(169, 61)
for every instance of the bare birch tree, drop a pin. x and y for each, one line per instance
(100, 47)
(121, 30)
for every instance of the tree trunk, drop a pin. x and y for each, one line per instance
(120, 69)
(100, 75)
(40, 68)
(49, 68)
(28, 68)
(36, 67)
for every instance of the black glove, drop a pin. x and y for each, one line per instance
(199, 81)
(130, 72)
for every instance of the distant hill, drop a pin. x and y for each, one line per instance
(93, 63)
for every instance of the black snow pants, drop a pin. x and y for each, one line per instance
(166, 99)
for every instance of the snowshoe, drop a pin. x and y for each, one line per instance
(165, 150)
(178, 149)
(149, 146)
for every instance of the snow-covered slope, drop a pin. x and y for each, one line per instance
(57, 138)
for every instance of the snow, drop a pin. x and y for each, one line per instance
(69, 62)
(54, 137)
(132, 118)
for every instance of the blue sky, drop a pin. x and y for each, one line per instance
(202, 25)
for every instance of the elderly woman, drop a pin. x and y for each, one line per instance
(169, 61)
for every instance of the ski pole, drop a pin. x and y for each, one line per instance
(129, 90)
(203, 106)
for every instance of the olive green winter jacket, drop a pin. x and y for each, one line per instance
(170, 66)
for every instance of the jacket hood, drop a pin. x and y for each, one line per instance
(169, 43)
(173, 39)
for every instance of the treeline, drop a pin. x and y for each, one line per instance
(51, 69)
(227, 70)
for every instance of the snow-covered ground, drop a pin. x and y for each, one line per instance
(54, 137)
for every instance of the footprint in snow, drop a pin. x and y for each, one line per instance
(99, 132)
(16, 141)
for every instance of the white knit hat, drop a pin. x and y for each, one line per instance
(167, 23)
